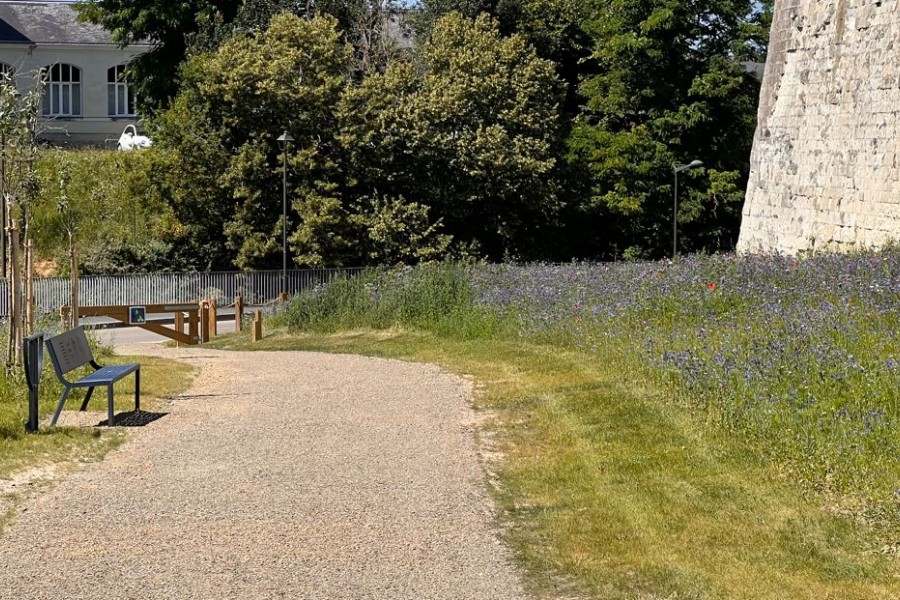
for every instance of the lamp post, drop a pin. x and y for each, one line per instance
(676, 169)
(284, 139)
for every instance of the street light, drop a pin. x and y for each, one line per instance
(676, 169)
(284, 139)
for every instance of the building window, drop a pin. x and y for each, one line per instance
(62, 95)
(119, 99)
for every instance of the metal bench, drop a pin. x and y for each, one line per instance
(69, 351)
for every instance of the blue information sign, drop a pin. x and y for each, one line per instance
(137, 315)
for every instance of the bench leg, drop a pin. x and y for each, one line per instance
(137, 390)
(87, 398)
(111, 411)
(62, 402)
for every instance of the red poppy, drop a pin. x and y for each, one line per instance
(712, 286)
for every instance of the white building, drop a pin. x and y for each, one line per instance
(86, 99)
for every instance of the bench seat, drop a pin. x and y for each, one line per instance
(106, 375)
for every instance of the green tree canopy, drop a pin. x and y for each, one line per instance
(175, 29)
(555, 28)
(221, 133)
(453, 152)
(668, 88)
(166, 26)
(471, 130)
(515, 128)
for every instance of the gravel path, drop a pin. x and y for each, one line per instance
(278, 475)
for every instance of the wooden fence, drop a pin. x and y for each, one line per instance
(257, 287)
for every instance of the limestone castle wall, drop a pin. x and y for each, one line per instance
(824, 169)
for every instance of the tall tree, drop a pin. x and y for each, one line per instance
(555, 28)
(668, 88)
(19, 190)
(753, 43)
(471, 130)
(429, 11)
(461, 142)
(220, 135)
(373, 27)
(175, 29)
(166, 26)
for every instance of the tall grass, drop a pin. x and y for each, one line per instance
(437, 298)
(798, 358)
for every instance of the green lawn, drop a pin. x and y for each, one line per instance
(608, 489)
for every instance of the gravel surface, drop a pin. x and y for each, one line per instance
(278, 475)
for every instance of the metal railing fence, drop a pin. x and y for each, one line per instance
(257, 287)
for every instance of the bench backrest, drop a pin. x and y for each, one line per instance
(69, 350)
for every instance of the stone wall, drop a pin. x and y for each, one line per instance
(824, 169)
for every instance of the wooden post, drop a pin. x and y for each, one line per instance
(179, 325)
(204, 321)
(213, 318)
(11, 349)
(239, 314)
(29, 287)
(193, 325)
(257, 333)
(16, 296)
(73, 255)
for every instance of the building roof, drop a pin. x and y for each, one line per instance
(30, 22)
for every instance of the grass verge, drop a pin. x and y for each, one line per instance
(608, 490)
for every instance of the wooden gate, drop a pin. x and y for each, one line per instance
(197, 313)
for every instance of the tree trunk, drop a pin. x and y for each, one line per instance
(73, 274)
(29, 287)
(10, 290)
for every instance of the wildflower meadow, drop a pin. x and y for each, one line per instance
(800, 358)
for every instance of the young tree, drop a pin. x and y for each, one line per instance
(19, 190)
(68, 212)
